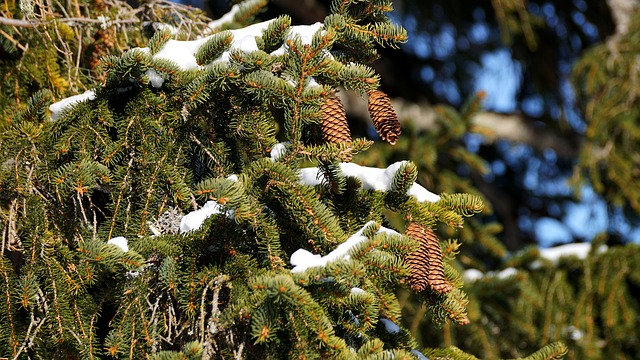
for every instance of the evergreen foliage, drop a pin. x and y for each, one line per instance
(97, 259)
(587, 303)
(606, 83)
(522, 301)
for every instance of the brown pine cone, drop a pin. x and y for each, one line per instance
(383, 116)
(425, 264)
(335, 128)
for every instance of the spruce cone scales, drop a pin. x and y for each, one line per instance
(425, 264)
(335, 128)
(383, 116)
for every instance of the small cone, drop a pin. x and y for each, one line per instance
(334, 121)
(383, 116)
(335, 128)
(425, 264)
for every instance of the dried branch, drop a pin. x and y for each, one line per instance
(70, 21)
(206, 335)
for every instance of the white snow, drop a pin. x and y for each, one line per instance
(155, 79)
(56, 108)
(303, 32)
(505, 273)
(193, 220)
(580, 250)
(357, 291)
(313, 83)
(278, 151)
(390, 326)
(574, 333)
(120, 242)
(473, 275)
(371, 178)
(182, 53)
(302, 259)
(553, 255)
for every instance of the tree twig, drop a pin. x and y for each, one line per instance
(34, 23)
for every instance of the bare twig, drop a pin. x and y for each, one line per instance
(212, 327)
(154, 320)
(238, 355)
(13, 41)
(71, 21)
(30, 336)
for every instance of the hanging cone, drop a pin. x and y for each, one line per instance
(383, 116)
(335, 128)
(334, 121)
(425, 264)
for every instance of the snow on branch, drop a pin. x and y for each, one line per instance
(121, 242)
(183, 54)
(57, 107)
(302, 259)
(371, 178)
(549, 255)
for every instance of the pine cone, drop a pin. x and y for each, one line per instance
(383, 116)
(425, 264)
(334, 121)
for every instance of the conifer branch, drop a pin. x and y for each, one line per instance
(220, 286)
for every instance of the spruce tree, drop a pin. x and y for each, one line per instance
(194, 196)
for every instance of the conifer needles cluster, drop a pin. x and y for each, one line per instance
(160, 214)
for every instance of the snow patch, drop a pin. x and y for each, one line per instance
(193, 220)
(472, 275)
(506, 273)
(224, 19)
(303, 32)
(155, 79)
(357, 291)
(554, 254)
(371, 178)
(302, 259)
(391, 327)
(56, 108)
(278, 151)
(181, 52)
(121, 242)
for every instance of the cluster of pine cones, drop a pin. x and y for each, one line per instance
(334, 118)
(425, 264)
